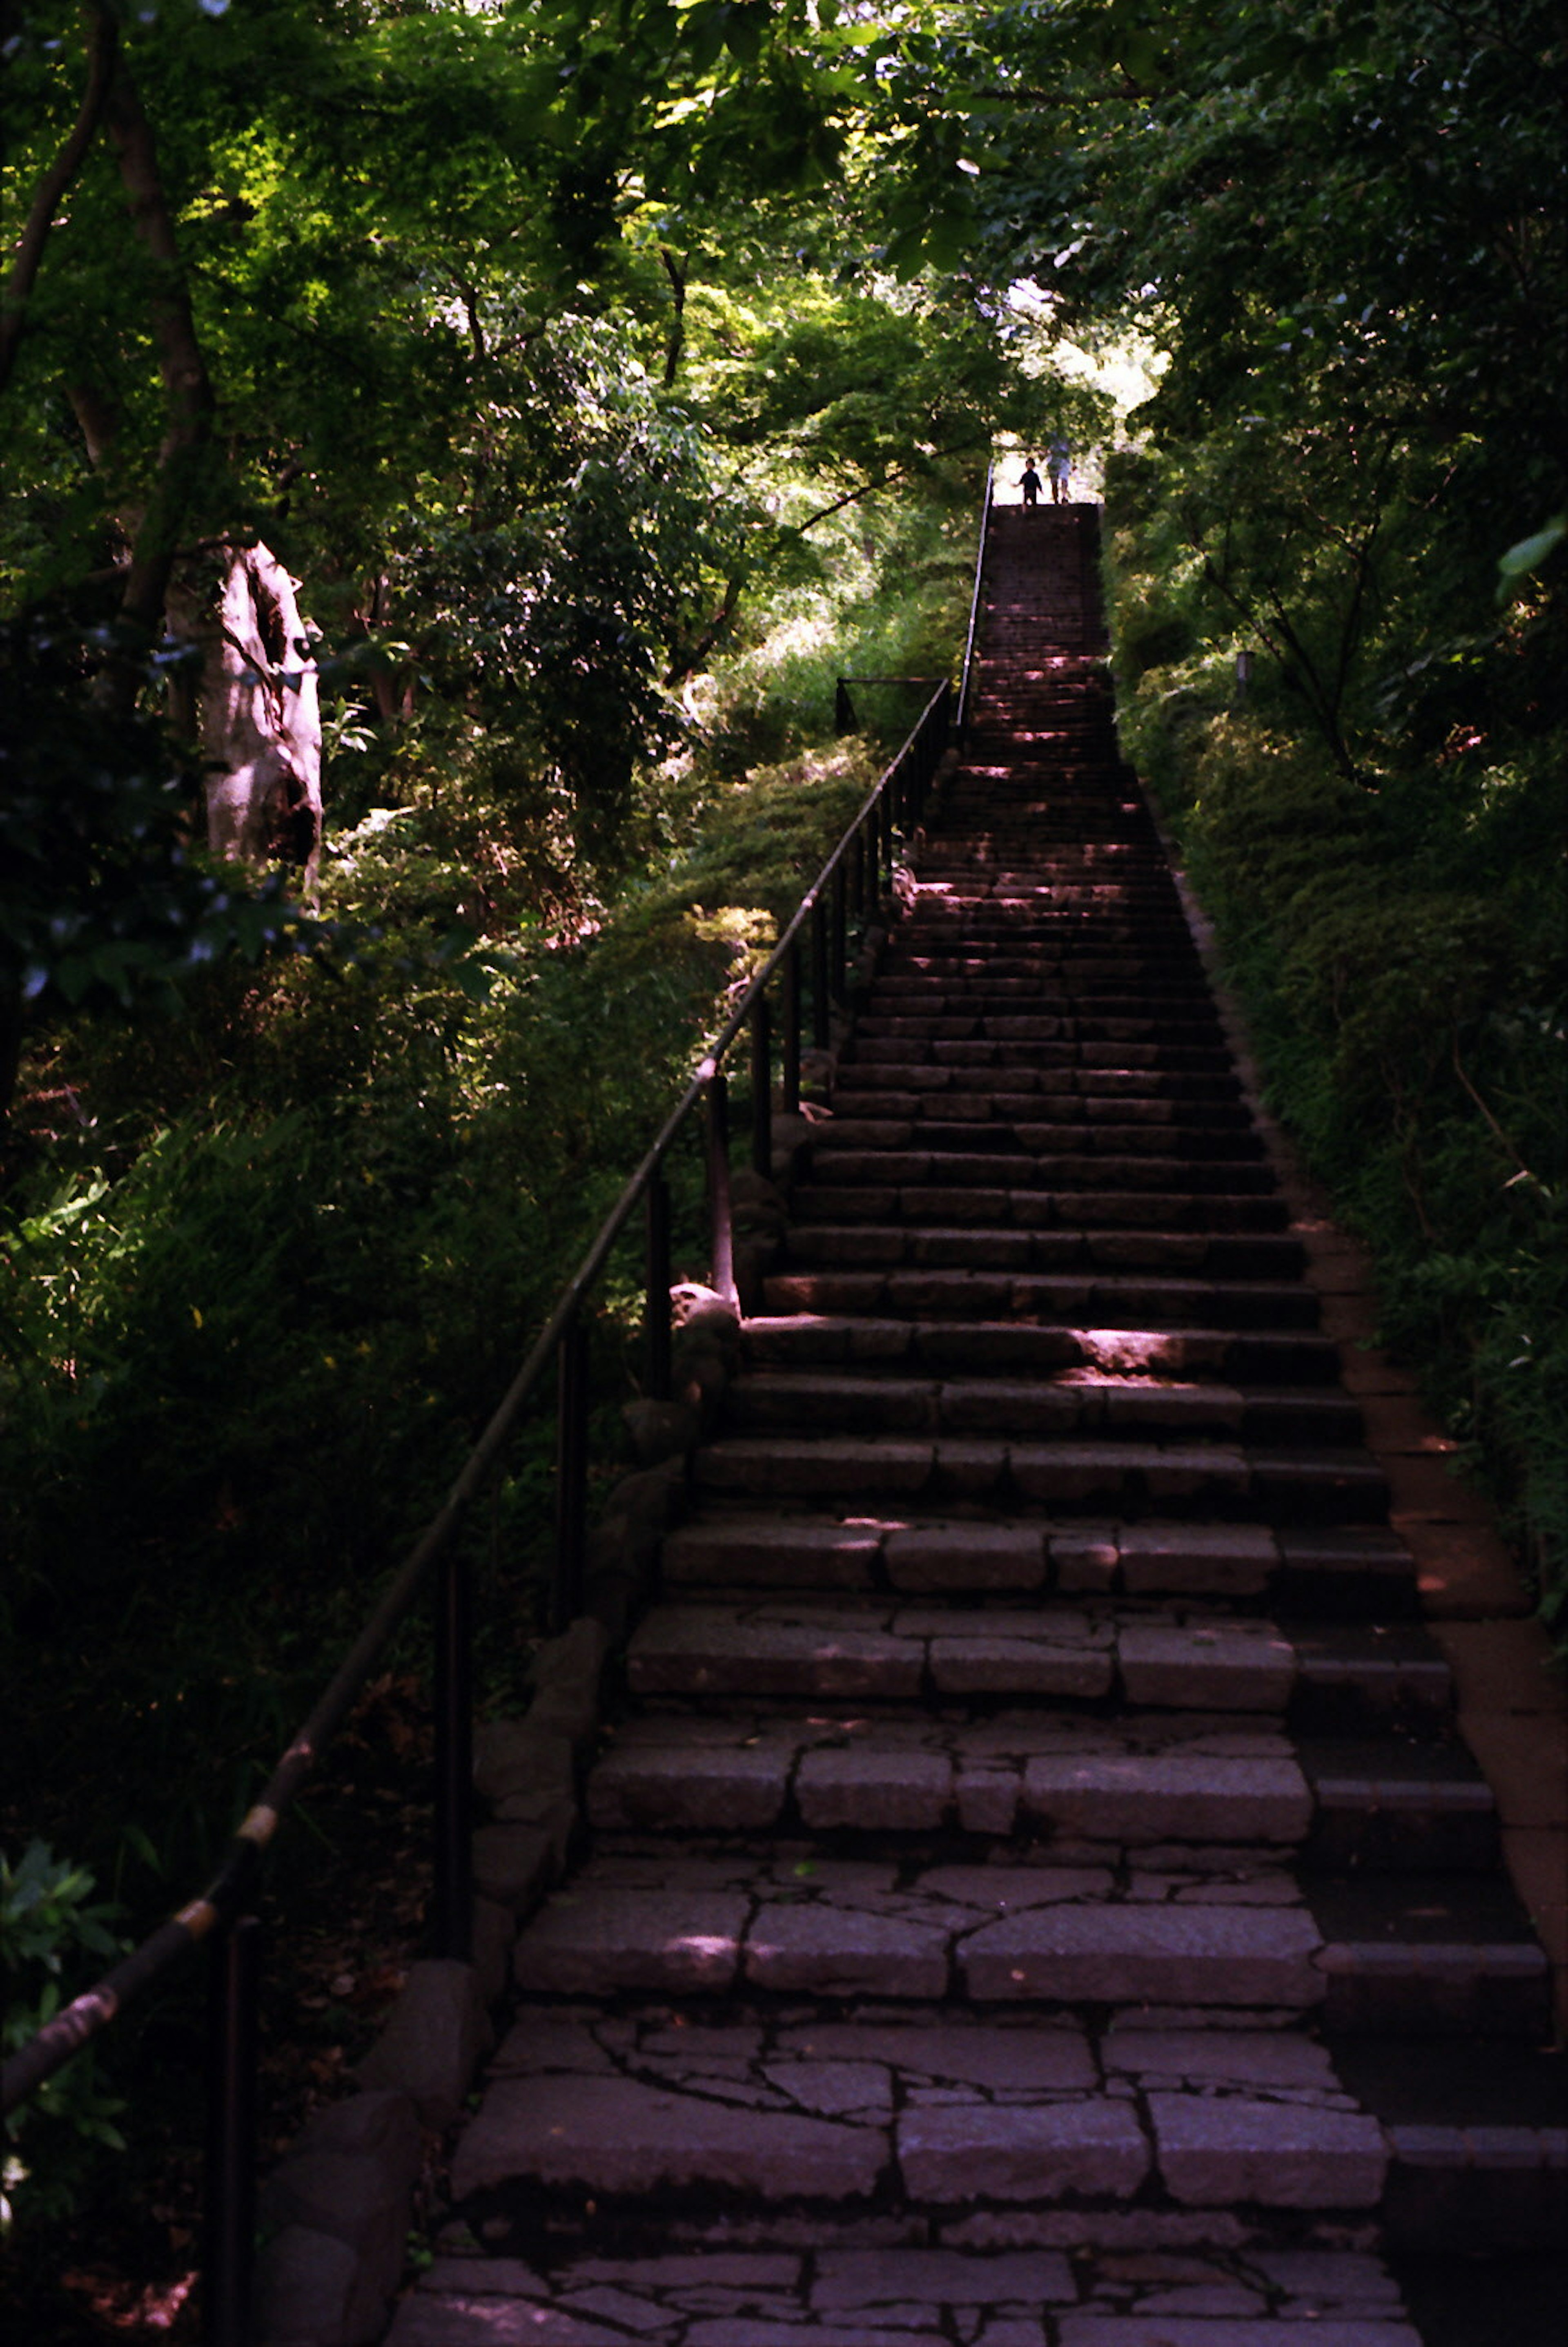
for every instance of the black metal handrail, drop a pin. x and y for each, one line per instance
(961, 727)
(815, 943)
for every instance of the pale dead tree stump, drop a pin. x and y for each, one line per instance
(259, 718)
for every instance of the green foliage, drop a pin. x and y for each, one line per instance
(103, 902)
(48, 1925)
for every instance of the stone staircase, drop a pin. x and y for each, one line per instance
(1036, 1895)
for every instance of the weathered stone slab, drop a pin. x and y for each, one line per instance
(847, 2278)
(594, 1939)
(1219, 1559)
(963, 1556)
(1213, 2150)
(763, 1552)
(703, 1651)
(1027, 2059)
(998, 1664)
(1136, 1954)
(1143, 1798)
(433, 2040)
(617, 2135)
(695, 1787)
(1217, 1667)
(957, 2153)
(874, 1788)
(1256, 2058)
(769, 1466)
(842, 1951)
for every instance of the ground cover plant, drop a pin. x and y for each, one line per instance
(453, 456)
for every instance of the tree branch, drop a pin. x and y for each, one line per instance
(103, 42)
(188, 388)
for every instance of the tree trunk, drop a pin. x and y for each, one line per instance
(259, 723)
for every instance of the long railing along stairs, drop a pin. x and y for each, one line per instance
(1037, 1897)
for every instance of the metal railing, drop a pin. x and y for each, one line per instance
(960, 728)
(810, 965)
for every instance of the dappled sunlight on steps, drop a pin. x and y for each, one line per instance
(1037, 1896)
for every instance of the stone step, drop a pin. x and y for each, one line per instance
(938, 2112)
(1212, 1211)
(1106, 1786)
(1102, 1300)
(1133, 1086)
(1078, 1044)
(1479, 2138)
(1150, 1656)
(1225, 1480)
(1443, 1955)
(1015, 1142)
(1325, 1572)
(1274, 1257)
(1004, 1111)
(649, 1922)
(1076, 1402)
(962, 1347)
(907, 2293)
(1150, 1930)
(1075, 1168)
(1399, 1807)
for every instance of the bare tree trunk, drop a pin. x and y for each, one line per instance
(259, 723)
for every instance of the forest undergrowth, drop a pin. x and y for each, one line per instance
(270, 1263)
(1397, 936)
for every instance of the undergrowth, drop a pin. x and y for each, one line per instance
(269, 1264)
(1399, 946)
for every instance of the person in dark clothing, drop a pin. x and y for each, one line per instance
(1029, 482)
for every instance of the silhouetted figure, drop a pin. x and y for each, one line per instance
(1058, 463)
(1029, 482)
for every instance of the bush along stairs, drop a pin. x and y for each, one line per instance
(1036, 1894)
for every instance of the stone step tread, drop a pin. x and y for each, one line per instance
(884, 1650)
(834, 1164)
(1114, 1786)
(1080, 1048)
(1071, 1476)
(915, 2296)
(1273, 1256)
(929, 2108)
(938, 1133)
(1102, 1093)
(998, 1116)
(1030, 1347)
(934, 2109)
(921, 1553)
(1212, 1213)
(1073, 1401)
(1146, 1302)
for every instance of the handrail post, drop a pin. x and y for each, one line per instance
(790, 1076)
(761, 1088)
(721, 1224)
(571, 1469)
(655, 1309)
(454, 1886)
(229, 2247)
(822, 1030)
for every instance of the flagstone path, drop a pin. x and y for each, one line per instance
(1036, 1895)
